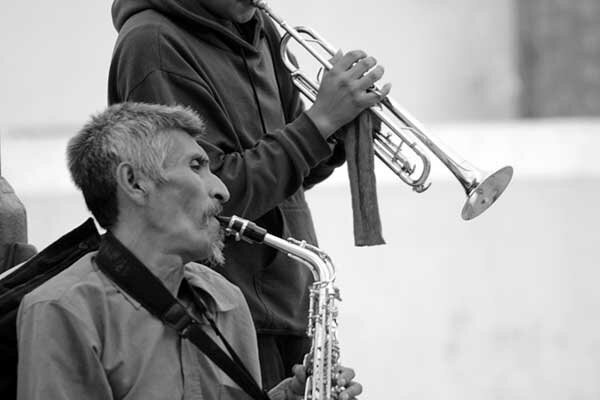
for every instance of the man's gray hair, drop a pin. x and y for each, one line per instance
(136, 133)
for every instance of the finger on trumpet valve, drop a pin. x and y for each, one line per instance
(375, 90)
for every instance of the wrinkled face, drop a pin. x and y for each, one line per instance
(239, 11)
(183, 208)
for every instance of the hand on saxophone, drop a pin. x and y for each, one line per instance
(344, 91)
(293, 388)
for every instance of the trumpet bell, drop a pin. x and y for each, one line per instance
(484, 193)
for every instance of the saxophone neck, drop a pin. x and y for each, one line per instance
(314, 258)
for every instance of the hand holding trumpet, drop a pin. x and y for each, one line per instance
(347, 89)
(344, 91)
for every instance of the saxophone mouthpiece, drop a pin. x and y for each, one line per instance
(224, 220)
(242, 229)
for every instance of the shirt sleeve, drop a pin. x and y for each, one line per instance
(58, 356)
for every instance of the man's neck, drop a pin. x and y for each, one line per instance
(149, 251)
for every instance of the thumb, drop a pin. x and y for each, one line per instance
(299, 379)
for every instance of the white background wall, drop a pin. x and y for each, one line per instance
(502, 307)
(447, 60)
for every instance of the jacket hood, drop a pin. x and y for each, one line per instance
(189, 12)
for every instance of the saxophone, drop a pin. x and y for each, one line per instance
(322, 361)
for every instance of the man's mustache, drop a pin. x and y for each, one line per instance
(212, 212)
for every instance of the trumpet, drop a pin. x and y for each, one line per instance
(397, 129)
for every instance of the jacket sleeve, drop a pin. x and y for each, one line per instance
(58, 357)
(325, 168)
(322, 171)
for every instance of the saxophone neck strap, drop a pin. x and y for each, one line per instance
(123, 268)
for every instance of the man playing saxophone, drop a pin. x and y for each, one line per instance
(147, 181)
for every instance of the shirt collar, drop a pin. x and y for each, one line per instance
(222, 293)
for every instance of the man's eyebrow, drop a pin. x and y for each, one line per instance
(202, 158)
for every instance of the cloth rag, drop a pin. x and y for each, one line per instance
(358, 144)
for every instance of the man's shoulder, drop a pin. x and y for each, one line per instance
(146, 41)
(146, 28)
(75, 283)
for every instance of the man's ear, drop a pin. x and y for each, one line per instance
(132, 183)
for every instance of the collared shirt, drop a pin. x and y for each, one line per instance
(81, 337)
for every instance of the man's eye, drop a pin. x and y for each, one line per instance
(195, 165)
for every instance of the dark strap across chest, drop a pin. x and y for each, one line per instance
(133, 277)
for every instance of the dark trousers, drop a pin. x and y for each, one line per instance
(278, 354)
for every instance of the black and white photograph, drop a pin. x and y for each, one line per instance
(299, 200)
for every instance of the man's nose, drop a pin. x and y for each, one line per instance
(219, 190)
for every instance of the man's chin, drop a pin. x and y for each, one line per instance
(246, 16)
(216, 257)
(211, 251)
(216, 260)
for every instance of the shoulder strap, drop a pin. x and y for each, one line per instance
(133, 277)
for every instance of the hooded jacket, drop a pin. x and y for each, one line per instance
(260, 142)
